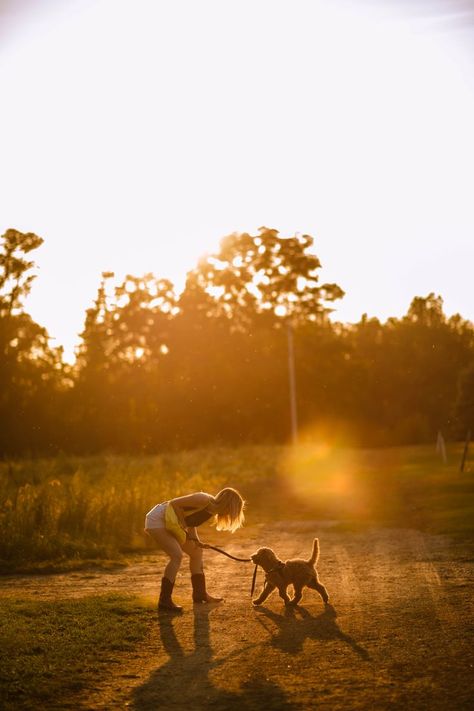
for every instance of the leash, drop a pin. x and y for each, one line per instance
(242, 560)
(277, 570)
(219, 550)
(253, 580)
(233, 557)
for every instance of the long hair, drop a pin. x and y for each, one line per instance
(232, 506)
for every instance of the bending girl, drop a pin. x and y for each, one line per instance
(173, 524)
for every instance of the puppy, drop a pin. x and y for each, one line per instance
(296, 572)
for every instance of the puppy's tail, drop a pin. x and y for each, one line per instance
(315, 554)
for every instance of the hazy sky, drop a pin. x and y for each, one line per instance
(135, 134)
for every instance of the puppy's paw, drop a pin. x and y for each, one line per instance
(255, 603)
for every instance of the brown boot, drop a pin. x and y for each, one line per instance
(199, 589)
(165, 602)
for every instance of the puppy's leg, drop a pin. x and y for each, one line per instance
(298, 594)
(319, 587)
(267, 590)
(284, 595)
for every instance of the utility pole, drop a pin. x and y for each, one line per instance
(292, 383)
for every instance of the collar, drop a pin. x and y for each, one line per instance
(280, 565)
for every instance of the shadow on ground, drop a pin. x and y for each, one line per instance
(298, 625)
(184, 681)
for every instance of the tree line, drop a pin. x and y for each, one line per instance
(156, 370)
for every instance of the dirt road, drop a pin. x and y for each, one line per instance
(399, 632)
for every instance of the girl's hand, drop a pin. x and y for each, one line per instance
(196, 541)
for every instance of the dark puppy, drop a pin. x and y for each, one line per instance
(296, 572)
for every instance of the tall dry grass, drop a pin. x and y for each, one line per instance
(93, 507)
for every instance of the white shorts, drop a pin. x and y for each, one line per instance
(155, 518)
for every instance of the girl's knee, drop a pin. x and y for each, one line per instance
(195, 554)
(176, 557)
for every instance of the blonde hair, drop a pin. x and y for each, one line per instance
(231, 514)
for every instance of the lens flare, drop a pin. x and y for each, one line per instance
(326, 479)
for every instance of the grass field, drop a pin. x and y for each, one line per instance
(52, 650)
(70, 511)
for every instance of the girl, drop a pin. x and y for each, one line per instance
(172, 525)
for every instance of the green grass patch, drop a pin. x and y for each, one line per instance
(50, 651)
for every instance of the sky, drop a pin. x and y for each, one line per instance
(135, 135)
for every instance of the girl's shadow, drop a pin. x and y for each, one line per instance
(183, 680)
(292, 632)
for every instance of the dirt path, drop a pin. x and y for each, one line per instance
(398, 633)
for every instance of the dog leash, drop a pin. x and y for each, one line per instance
(219, 550)
(253, 580)
(240, 560)
(274, 570)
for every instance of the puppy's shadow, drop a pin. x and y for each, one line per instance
(297, 625)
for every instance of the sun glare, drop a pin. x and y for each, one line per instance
(323, 472)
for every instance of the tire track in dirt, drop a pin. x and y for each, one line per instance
(450, 618)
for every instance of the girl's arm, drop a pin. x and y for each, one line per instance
(197, 500)
(193, 536)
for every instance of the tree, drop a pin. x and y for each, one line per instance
(407, 371)
(464, 406)
(15, 279)
(31, 371)
(253, 285)
(120, 361)
(264, 274)
(128, 323)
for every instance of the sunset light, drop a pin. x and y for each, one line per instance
(236, 355)
(138, 135)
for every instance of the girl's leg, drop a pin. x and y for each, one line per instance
(198, 579)
(168, 543)
(195, 556)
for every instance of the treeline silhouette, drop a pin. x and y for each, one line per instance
(158, 371)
